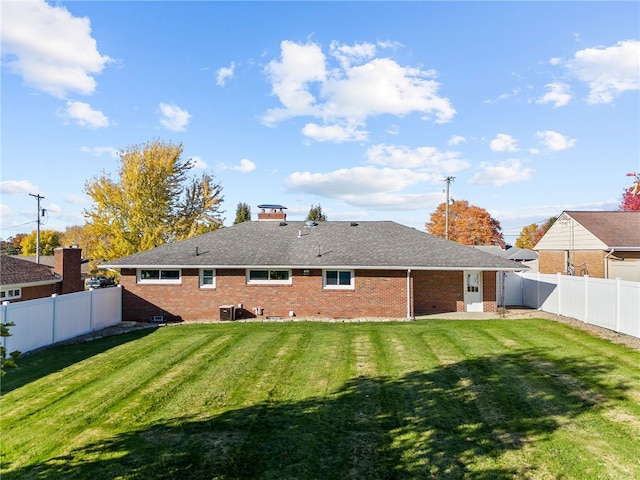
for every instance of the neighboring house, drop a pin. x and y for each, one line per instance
(275, 268)
(524, 256)
(50, 261)
(598, 244)
(22, 279)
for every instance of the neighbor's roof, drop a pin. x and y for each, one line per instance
(385, 245)
(16, 271)
(511, 253)
(614, 229)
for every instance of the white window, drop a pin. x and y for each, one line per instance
(207, 278)
(10, 294)
(338, 279)
(268, 277)
(159, 276)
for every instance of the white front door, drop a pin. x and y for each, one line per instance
(473, 292)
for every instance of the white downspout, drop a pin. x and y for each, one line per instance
(606, 263)
(409, 293)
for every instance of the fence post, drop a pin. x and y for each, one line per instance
(5, 310)
(559, 278)
(617, 304)
(53, 318)
(586, 299)
(91, 309)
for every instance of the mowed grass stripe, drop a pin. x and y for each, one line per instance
(429, 399)
(217, 385)
(88, 405)
(565, 395)
(162, 389)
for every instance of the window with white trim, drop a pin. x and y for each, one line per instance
(338, 279)
(207, 278)
(11, 294)
(268, 277)
(159, 275)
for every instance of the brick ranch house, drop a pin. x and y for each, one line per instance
(22, 279)
(598, 244)
(275, 268)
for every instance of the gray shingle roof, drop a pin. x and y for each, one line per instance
(329, 244)
(614, 229)
(16, 271)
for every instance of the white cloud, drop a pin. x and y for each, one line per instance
(348, 54)
(395, 201)
(555, 141)
(98, 151)
(504, 143)
(75, 199)
(173, 117)
(427, 159)
(17, 187)
(350, 92)
(608, 71)
(350, 182)
(225, 73)
(456, 140)
(199, 163)
(382, 86)
(82, 114)
(559, 94)
(290, 79)
(244, 166)
(334, 133)
(49, 48)
(497, 175)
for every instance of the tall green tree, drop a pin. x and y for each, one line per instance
(49, 241)
(243, 213)
(152, 201)
(468, 224)
(316, 214)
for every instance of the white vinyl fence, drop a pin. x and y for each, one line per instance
(49, 320)
(612, 304)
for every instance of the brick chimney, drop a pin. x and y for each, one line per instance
(272, 212)
(67, 264)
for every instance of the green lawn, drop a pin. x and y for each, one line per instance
(428, 399)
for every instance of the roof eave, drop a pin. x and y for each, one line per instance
(515, 268)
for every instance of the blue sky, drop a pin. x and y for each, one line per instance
(363, 108)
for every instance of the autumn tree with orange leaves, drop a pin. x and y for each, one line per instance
(468, 224)
(531, 234)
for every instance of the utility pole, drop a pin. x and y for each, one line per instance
(446, 208)
(38, 197)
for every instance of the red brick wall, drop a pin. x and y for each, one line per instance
(377, 293)
(490, 291)
(437, 292)
(68, 264)
(31, 293)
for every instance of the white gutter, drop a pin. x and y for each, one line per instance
(606, 262)
(309, 267)
(409, 293)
